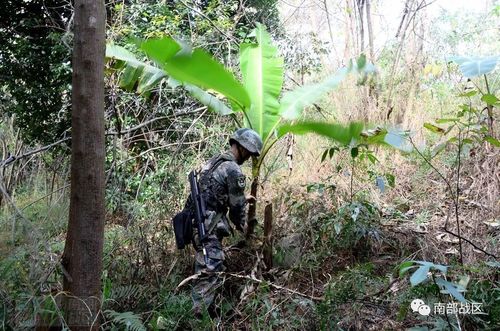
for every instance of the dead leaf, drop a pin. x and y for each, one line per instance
(451, 251)
(493, 223)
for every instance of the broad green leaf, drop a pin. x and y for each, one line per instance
(200, 69)
(344, 135)
(446, 120)
(141, 77)
(405, 266)
(468, 94)
(262, 71)
(450, 288)
(373, 159)
(490, 99)
(208, 100)
(374, 136)
(434, 128)
(475, 66)
(135, 74)
(419, 275)
(160, 50)
(294, 102)
(389, 137)
(467, 141)
(391, 179)
(439, 267)
(493, 141)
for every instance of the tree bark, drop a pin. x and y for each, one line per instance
(360, 5)
(348, 32)
(82, 258)
(267, 249)
(370, 30)
(252, 209)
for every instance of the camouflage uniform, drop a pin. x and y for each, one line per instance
(222, 184)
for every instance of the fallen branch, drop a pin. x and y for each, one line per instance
(259, 281)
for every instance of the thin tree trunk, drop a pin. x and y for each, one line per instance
(252, 208)
(82, 258)
(361, 4)
(370, 30)
(267, 249)
(348, 32)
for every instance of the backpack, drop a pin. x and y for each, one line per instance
(183, 228)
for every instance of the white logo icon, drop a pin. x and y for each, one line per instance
(419, 306)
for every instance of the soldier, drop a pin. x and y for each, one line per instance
(222, 184)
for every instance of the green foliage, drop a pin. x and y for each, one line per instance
(135, 73)
(467, 126)
(142, 77)
(200, 69)
(344, 289)
(35, 72)
(353, 225)
(420, 275)
(128, 321)
(351, 136)
(262, 72)
(269, 311)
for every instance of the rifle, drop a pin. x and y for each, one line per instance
(199, 211)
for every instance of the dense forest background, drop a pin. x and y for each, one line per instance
(359, 231)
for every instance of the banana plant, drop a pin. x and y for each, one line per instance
(257, 96)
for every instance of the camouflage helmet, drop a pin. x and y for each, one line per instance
(249, 139)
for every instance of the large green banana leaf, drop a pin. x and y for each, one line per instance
(351, 135)
(345, 135)
(135, 74)
(200, 69)
(262, 71)
(141, 77)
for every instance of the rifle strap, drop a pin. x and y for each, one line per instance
(221, 159)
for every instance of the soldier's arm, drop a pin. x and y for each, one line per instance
(236, 193)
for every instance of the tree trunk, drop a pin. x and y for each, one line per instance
(361, 4)
(252, 208)
(348, 32)
(370, 30)
(267, 249)
(82, 258)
